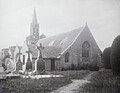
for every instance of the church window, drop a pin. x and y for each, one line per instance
(67, 57)
(85, 49)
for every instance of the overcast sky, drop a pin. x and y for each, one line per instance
(58, 16)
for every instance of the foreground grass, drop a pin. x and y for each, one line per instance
(33, 85)
(102, 81)
(72, 74)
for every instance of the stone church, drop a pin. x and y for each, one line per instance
(61, 51)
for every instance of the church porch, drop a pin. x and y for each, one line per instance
(52, 64)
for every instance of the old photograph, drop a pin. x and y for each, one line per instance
(59, 46)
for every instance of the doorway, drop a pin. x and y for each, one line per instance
(52, 64)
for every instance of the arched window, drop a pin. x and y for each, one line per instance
(67, 57)
(85, 49)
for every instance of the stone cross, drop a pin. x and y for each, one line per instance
(28, 52)
(19, 63)
(19, 55)
(40, 47)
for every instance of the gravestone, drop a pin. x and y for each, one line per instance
(2, 72)
(29, 62)
(23, 59)
(40, 63)
(19, 63)
(10, 65)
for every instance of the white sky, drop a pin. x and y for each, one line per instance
(58, 16)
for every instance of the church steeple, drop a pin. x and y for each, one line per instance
(34, 21)
(34, 30)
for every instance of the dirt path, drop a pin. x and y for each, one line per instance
(73, 87)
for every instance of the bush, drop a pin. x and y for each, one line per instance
(83, 66)
(115, 56)
(106, 58)
(101, 81)
(23, 85)
(72, 74)
(93, 67)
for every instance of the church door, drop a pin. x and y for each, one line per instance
(52, 64)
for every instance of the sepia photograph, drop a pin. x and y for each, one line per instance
(59, 46)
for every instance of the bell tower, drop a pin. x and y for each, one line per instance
(34, 26)
(34, 30)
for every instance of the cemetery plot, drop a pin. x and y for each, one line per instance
(43, 85)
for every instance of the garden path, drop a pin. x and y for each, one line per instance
(73, 87)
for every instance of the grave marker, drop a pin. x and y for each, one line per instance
(29, 62)
(40, 63)
(19, 63)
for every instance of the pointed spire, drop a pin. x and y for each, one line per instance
(34, 21)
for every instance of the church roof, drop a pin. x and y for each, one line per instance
(47, 52)
(57, 44)
(51, 52)
(34, 50)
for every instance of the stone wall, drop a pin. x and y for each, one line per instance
(75, 50)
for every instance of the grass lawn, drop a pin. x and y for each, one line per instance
(72, 74)
(45, 85)
(33, 85)
(102, 81)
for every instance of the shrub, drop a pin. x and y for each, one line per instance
(72, 67)
(93, 67)
(101, 81)
(115, 56)
(87, 66)
(23, 85)
(106, 58)
(83, 66)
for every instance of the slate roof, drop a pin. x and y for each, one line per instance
(34, 50)
(55, 45)
(51, 52)
(62, 41)
(47, 52)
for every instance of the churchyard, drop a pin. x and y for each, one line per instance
(70, 62)
(27, 85)
(37, 81)
(103, 80)
(43, 84)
